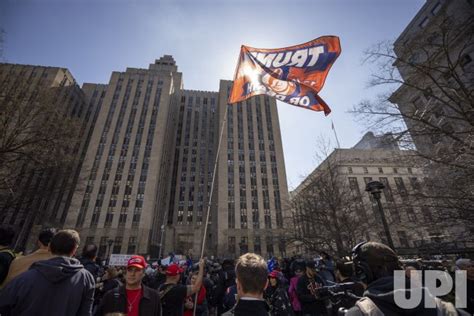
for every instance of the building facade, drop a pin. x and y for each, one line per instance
(434, 59)
(151, 162)
(124, 159)
(413, 227)
(252, 187)
(435, 55)
(40, 196)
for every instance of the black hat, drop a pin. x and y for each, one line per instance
(310, 263)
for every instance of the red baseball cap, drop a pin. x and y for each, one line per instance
(173, 269)
(136, 261)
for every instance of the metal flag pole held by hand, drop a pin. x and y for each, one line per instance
(203, 245)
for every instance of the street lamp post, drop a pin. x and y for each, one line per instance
(109, 242)
(375, 188)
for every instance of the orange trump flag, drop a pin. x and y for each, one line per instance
(293, 74)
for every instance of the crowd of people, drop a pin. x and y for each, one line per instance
(52, 281)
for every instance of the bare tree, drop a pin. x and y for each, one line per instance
(327, 215)
(429, 104)
(39, 148)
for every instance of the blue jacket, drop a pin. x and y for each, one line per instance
(58, 286)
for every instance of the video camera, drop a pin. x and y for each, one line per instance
(337, 289)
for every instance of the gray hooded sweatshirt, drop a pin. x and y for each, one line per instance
(58, 286)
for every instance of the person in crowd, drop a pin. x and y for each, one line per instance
(57, 286)
(345, 274)
(468, 266)
(251, 273)
(277, 297)
(6, 253)
(327, 268)
(88, 260)
(306, 289)
(21, 264)
(295, 303)
(228, 276)
(202, 306)
(173, 294)
(110, 280)
(230, 298)
(133, 298)
(374, 264)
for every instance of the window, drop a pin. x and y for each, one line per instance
(424, 22)
(349, 170)
(257, 248)
(366, 170)
(244, 247)
(402, 236)
(436, 9)
(387, 190)
(269, 242)
(395, 170)
(231, 245)
(411, 214)
(380, 170)
(132, 244)
(401, 187)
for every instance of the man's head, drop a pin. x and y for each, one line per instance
(344, 270)
(467, 265)
(273, 278)
(65, 243)
(45, 237)
(373, 260)
(251, 272)
(90, 252)
(173, 273)
(135, 271)
(6, 236)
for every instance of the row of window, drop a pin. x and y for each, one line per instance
(381, 170)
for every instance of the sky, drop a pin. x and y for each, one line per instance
(92, 38)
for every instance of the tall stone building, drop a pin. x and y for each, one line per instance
(124, 159)
(150, 164)
(413, 227)
(434, 59)
(435, 55)
(252, 186)
(41, 196)
(184, 197)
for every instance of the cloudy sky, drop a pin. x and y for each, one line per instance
(92, 38)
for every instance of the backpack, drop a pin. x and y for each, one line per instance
(368, 308)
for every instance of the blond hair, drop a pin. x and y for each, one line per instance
(251, 272)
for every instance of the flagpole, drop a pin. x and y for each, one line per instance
(203, 246)
(335, 134)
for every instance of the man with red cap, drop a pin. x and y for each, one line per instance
(133, 299)
(172, 294)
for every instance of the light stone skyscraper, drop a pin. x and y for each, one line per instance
(150, 165)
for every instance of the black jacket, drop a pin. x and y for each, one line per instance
(92, 267)
(115, 301)
(58, 286)
(251, 307)
(278, 299)
(309, 303)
